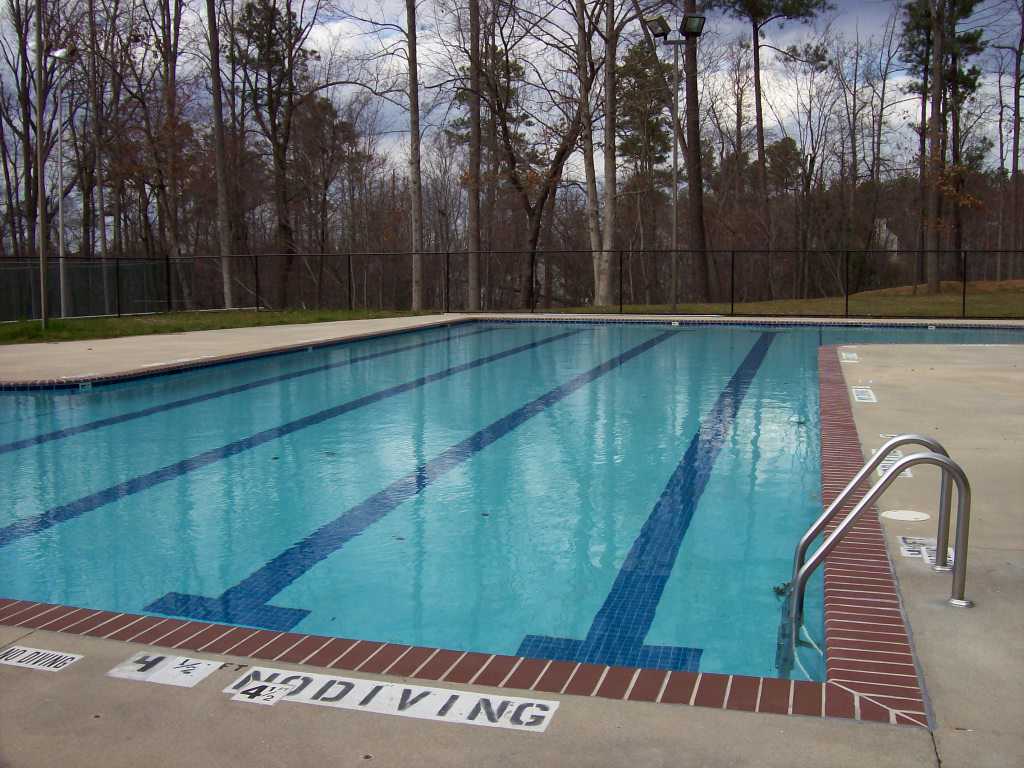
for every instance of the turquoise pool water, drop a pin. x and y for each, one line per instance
(619, 493)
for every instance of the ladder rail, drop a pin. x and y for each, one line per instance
(963, 522)
(819, 525)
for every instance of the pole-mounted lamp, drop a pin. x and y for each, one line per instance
(690, 28)
(658, 26)
(692, 25)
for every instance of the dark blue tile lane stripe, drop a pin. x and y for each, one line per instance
(99, 423)
(617, 634)
(246, 602)
(73, 509)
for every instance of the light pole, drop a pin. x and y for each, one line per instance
(62, 56)
(692, 25)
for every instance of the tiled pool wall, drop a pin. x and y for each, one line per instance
(872, 674)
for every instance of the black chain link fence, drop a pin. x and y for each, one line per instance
(966, 284)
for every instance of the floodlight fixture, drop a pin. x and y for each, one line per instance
(692, 25)
(658, 26)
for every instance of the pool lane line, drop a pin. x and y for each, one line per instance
(111, 420)
(70, 510)
(246, 602)
(616, 636)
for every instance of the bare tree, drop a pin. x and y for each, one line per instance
(695, 170)
(220, 154)
(936, 139)
(613, 26)
(415, 177)
(759, 14)
(473, 213)
(585, 73)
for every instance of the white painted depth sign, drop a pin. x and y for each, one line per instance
(182, 671)
(918, 546)
(849, 357)
(891, 458)
(266, 694)
(864, 395)
(384, 698)
(37, 658)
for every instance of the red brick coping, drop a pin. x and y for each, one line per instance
(871, 669)
(868, 651)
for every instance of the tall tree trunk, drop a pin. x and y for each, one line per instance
(922, 168)
(43, 226)
(219, 159)
(1015, 175)
(119, 215)
(958, 176)
(583, 59)
(473, 213)
(415, 178)
(854, 160)
(603, 284)
(762, 162)
(695, 169)
(171, 13)
(285, 233)
(737, 175)
(935, 160)
(100, 217)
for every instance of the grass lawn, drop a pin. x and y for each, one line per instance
(25, 331)
(984, 299)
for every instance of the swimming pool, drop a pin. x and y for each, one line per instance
(621, 493)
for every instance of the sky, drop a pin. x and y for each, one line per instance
(849, 18)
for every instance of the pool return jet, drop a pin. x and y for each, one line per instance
(792, 610)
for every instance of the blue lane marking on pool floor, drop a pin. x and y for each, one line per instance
(79, 507)
(246, 602)
(617, 634)
(111, 420)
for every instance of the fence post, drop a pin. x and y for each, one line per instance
(447, 279)
(256, 267)
(732, 283)
(117, 283)
(533, 280)
(963, 291)
(167, 281)
(349, 281)
(620, 282)
(846, 283)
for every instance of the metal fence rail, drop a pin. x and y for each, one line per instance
(836, 283)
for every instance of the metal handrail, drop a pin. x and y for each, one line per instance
(819, 525)
(963, 523)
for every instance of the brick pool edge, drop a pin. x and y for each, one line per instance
(871, 671)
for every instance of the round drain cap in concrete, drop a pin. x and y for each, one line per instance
(906, 515)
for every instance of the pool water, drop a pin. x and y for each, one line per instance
(614, 493)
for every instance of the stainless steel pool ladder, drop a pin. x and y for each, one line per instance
(951, 473)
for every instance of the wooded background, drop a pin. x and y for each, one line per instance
(485, 154)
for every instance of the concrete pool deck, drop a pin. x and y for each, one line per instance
(972, 659)
(69, 362)
(971, 399)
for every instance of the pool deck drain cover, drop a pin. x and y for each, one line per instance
(906, 515)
